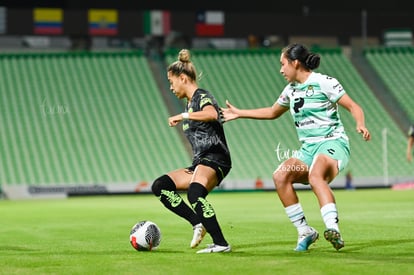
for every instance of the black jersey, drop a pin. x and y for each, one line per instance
(207, 139)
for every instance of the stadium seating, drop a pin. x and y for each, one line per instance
(93, 118)
(395, 67)
(83, 118)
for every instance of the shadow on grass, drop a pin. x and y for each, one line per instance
(323, 247)
(373, 249)
(16, 248)
(360, 246)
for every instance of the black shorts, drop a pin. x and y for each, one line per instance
(221, 170)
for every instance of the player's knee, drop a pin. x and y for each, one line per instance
(278, 177)
(195, 191)
(162, 183)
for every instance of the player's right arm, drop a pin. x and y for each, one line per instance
(358, 114)
(273, 112)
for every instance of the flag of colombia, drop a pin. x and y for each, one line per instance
(48, 21)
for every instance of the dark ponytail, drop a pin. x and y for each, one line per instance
(299, 52)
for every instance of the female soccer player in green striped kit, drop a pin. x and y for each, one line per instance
(313, 100)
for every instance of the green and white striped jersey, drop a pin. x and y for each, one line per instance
(314, 107)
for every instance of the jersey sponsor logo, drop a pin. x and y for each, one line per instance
(299, 102)
(206, 207)
(304, 123)
(173, 198)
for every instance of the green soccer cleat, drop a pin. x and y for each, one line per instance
(334, 237)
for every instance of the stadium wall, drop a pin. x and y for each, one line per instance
(237, 24)
(63, 191)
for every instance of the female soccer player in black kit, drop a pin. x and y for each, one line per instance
(203, 126)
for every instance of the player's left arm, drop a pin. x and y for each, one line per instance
(357, 113)
(208, 113)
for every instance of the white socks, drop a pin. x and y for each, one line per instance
(297, 217)
(330, 216)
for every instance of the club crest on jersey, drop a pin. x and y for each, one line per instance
(310, 91)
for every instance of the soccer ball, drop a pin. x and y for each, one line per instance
(145, 236)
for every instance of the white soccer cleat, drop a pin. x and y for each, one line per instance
(306, 239)
(199, 233)
(214, 248)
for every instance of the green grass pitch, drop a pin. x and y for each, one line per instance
(90, 235)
